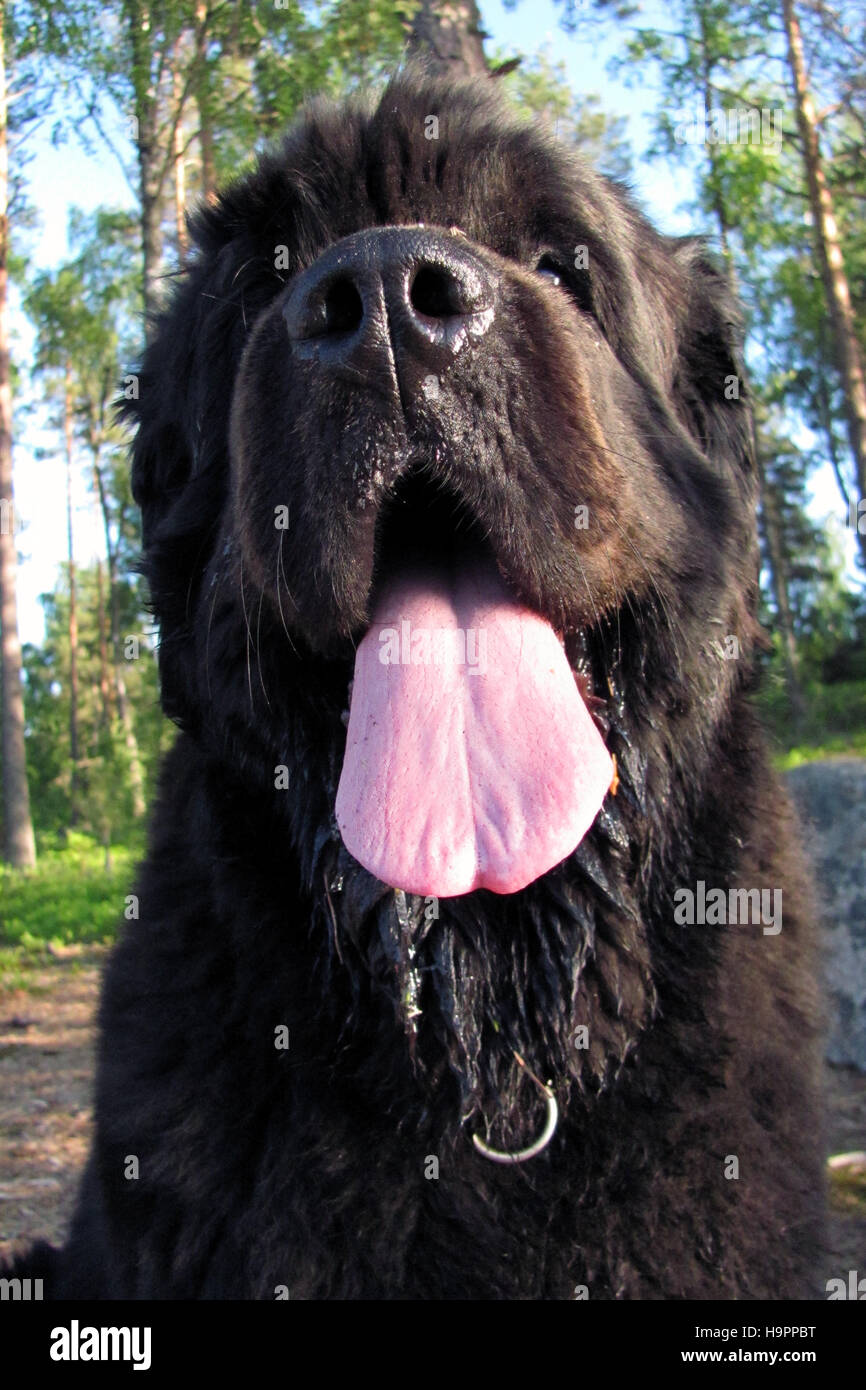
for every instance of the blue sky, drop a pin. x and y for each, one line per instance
(60, 178)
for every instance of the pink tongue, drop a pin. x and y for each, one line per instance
(471, 759)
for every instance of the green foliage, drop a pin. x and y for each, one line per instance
(70, 897)
(814, 563)
(835, 722)
(329, 48)
(829, 617)
(87, 315)
(103, 799)
(714, 63)
(241, 70)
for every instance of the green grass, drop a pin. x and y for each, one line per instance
(834, 726)
(69, 899)
(834, 746)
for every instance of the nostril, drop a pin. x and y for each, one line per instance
(436, 293)
(343, 308)
(403, 285)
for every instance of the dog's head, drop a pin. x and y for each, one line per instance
(422, 336)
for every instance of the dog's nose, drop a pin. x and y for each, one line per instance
(402, 300)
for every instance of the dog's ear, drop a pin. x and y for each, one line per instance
(161, 466)
(180, 502)
(711, 396)
(157, 407)
(710, 388)
(180, 460)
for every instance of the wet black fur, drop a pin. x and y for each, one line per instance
(310, 1168)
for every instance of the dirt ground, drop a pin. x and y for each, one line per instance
(47, 1038)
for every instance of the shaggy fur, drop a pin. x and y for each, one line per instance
(308, 1169)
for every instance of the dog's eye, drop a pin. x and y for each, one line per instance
(548, 267)
(576, 282)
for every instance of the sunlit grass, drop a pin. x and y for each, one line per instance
(834, 726)
(70, 899)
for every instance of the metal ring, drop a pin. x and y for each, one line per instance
(500, 1155)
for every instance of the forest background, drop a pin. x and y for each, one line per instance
(743, 121)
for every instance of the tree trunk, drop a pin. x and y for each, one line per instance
(105, 691)
(779, 580)
(825, 415)
(830, 260)
(179, 169)
(19, 846)
(204, 102)
(718, 205)
(74, 752)
(448, 37)
(151, 238)
(136, 772)
(151, 160)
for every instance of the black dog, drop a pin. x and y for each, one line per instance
(435, 407)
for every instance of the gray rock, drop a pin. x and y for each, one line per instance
(831, 799)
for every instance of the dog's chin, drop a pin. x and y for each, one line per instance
(472, 980)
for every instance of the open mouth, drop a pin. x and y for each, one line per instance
(472, 759)
(424, 521)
